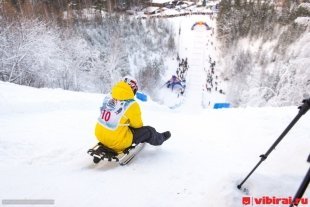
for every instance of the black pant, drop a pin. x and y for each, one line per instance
(147, 134)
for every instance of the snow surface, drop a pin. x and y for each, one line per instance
(45, 134)
(303, 21)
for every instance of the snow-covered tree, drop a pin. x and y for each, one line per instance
(264, 53)
(88, 57)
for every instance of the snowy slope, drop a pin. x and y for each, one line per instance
(45, 134)
(194, 41)
(198, 45)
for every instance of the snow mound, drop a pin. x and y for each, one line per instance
(305, 21)
(14, 98)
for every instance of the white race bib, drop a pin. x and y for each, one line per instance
(112, 111)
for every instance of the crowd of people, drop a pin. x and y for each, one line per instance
(183, 68)
(212, 81)
(178, 82)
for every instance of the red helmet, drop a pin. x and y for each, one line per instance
(132, 82)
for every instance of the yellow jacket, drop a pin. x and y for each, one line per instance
(119, 111)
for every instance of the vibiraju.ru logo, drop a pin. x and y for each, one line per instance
(273, 200)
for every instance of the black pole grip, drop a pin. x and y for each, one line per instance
(305, 107)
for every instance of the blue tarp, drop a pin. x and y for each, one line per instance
(141, 96)
(221, 105)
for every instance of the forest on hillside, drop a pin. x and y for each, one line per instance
(265, 51)
(87, 50)
(83, 45)
(55, 8)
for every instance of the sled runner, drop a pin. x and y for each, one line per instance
(101, 152)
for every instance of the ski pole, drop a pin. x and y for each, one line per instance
(302, 110)
(163, 85)
(302, 189)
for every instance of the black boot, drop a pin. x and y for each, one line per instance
(166, 135)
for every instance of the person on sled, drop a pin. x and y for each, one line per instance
(174, 80)
(120, 124)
